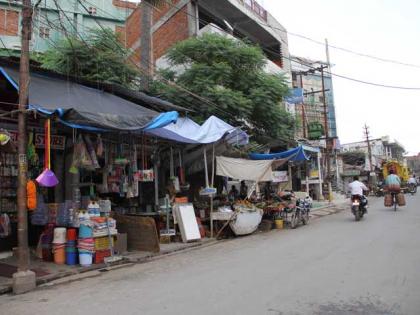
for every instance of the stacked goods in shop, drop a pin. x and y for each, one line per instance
(100, 227)
(40, 214)
(59, 243)
(102, 245)
(63, 213)
(71, 249)
(46, 240)
(85, 244)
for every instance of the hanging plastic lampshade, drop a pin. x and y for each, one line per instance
(47, 178)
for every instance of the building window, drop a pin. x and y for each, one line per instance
(321, 99)
(92, 10)
(44, 32)
(258, 9)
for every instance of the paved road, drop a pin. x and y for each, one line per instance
(333, 266)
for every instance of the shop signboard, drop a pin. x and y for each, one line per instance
(314, 174)
(280, 177)
(351, 173)
(317, 143)
(57, 142)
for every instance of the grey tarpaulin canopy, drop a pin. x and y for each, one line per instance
(84, 107)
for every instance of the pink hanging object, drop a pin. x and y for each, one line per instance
(47, 178)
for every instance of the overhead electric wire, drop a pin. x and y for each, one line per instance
(294, 60)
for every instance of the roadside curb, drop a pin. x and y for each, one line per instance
(97, 270)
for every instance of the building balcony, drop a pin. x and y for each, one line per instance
(270, 67)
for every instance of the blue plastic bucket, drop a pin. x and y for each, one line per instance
(85, 231)
(71, 258)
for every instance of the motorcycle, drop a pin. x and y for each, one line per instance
(412, 188)
(301, 213)
(379, 191)
(358, 206)
(295, 212)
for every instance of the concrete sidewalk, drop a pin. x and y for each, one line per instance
(50, 273)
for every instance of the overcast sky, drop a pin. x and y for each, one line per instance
(385, 28)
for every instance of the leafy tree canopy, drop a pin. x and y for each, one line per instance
(230, 74)
(99, 57)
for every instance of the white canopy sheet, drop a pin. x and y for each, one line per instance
(187, 131)
(241, 169)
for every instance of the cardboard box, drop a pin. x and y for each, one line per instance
(120, 246)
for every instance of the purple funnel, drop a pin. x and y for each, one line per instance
(47, 178)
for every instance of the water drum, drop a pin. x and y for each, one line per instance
(59, 236)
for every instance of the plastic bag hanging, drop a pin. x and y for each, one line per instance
(47, 178)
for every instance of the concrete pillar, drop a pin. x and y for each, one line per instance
(193, 18)
(23, 281)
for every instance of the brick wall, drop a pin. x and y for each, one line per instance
(9, 22)
(124, 4)
(169, 33)
(173, 31)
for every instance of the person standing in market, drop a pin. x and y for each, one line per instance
(243, 190)
(233, 194)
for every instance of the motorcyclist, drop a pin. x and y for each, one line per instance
(412, 183)
(356, 189)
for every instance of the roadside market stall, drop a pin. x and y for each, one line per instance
(88, 155)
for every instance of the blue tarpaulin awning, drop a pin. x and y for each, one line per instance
(296, 155)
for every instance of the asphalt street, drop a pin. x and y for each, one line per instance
(332, 266)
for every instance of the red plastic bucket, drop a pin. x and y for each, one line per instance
(71, 235)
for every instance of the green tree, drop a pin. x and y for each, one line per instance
(230, 74)
(100, 57)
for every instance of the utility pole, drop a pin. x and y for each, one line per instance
(327, 138)
(146, 44)
(23, 279)
(303, 109)
(372, 175)
(369, 147)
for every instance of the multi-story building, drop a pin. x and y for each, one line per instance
(413, 163)
(55, 19)
(382, 149)
(183, 19)
(312, 111)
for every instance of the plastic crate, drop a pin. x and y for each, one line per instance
(102, 243)
(100, 255)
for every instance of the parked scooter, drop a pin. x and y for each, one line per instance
(358, 206)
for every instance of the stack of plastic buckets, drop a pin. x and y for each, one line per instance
(71, 249)
(85, 245)
(59, 243)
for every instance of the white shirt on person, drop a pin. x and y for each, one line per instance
(356, 188)
(412, 180)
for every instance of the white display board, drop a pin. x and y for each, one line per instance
(185, 216)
